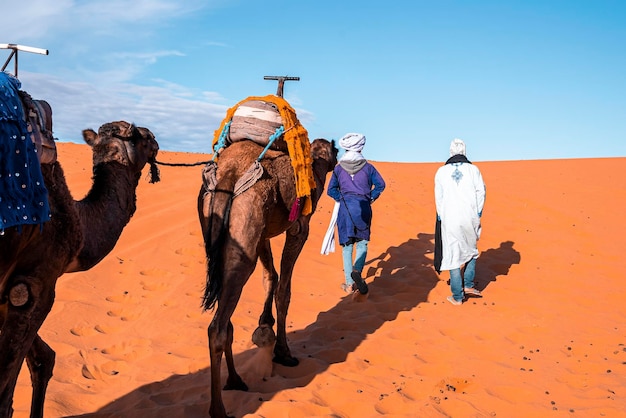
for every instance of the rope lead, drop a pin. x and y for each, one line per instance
(279, 131)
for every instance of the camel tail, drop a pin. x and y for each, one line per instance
(214, 245)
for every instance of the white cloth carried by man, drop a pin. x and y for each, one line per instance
(328, 245)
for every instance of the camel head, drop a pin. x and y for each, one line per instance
(322, 149)
(124, 143)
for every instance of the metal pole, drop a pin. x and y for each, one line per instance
(281, 82)
(14, 48)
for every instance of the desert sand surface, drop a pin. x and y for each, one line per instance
(547, 339)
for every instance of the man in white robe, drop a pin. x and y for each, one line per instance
(459, 198)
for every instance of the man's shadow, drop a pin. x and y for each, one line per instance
(495, 262)
(403, 278)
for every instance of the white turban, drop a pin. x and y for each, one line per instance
(352, 142)
(457, 146)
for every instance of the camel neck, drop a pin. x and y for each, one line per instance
(105, 211)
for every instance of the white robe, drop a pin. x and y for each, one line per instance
(459, 198)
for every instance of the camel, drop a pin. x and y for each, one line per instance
(237, 232)
(78, 235)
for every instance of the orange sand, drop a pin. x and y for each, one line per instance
(547, 339)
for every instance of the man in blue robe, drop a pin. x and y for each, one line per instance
(354, 184)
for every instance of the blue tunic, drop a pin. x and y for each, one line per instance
(355, 194)
(23, 194)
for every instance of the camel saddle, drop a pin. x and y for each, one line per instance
(38, 117)
(23, 192)
(258, 118)
(257, 121)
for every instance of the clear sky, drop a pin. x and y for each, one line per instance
(517, 80)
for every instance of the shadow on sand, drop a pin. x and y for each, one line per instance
(403, 278)
(495, 262)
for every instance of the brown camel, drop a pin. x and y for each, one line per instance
(237, 232)
(78, 236)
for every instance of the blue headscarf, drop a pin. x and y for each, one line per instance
(23, 194)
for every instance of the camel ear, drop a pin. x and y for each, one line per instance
(89, 135)
(128, 131)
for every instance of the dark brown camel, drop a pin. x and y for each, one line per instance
(237, 232)
(78, 236)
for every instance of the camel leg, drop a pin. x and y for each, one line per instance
(221, 329)
(40, 361)
(234, 381)
(220, 342)
(28, 304)
(264, 335)
(6, 409)
(217, 341)
(293, 246)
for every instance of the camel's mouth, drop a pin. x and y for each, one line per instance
(153, 155)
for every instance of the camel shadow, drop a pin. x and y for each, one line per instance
(403, 277)
(495, 262)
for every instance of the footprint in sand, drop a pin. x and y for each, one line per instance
(170, 304)
(105, 329)
(89, 370)
(113, 368)
(154, 285)
(196, 252)
(125, 314)
(86, 331)
(128, 351)
(196, 314)
(110, 368)
(123, 298)
(155, 272)
(92, 372)
(82, 331)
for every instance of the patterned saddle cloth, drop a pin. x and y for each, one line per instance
(23, 194)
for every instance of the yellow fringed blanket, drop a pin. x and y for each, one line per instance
(297, 139)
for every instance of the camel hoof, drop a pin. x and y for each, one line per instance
(238, 386)
(18, 296)
(263, 336)
(286, 361)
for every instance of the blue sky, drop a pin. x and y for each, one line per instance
(516, 80)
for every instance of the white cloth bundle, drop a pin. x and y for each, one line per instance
(328, 245)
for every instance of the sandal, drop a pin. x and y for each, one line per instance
(454, 301)
(347, 288)
(472, 291)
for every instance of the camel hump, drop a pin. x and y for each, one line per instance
(257, 121)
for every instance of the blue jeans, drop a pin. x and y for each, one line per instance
(359, 261)
(457, 279)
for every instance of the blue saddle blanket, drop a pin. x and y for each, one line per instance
(23, 193)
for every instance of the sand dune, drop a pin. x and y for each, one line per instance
(548, 338)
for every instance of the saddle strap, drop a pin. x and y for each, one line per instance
(38, 117)
(209, 177)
